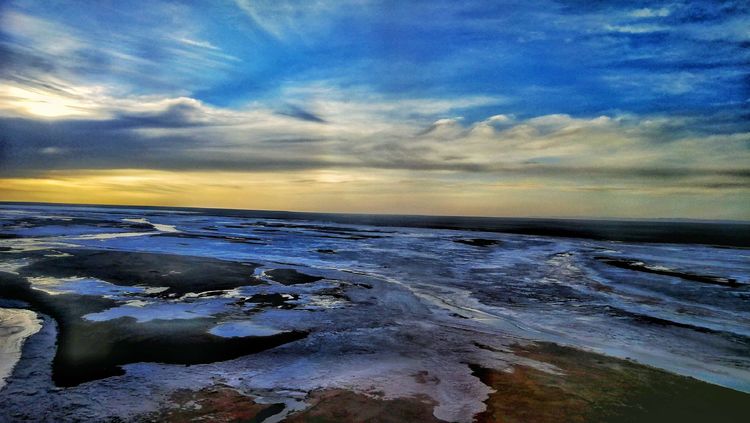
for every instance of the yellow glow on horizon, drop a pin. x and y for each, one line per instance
(350, 191)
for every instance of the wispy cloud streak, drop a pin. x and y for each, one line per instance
(456, 98)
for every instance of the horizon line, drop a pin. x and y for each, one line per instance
(570, 218)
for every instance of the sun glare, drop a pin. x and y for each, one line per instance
(41, 103)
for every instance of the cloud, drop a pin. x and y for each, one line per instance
(184, 134)
(150, 56)
(198, 43)
(650, 13)
(284, 19)
(51, 150)
(300, 113)
(581, 96)
(635, 28)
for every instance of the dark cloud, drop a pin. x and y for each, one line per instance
(300, 113)
(708, 11)
(648, 173)
(15, 59)
(181, 114)
(29, 147)
(292, 141)
(684, 66)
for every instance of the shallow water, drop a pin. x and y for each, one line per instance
(400, 286)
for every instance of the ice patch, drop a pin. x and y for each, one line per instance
(158, 226)
(15, 326)
(162, 311)
(82, 286)
(111, 235)
(155, 289)
(12, 266)
(241, 329)
(137, 303)
(320, 302)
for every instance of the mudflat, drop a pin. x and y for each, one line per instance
(133, 315)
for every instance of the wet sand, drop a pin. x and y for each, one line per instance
(576, 387)
(225, 404)
(219, 404)
(338, 405)
(595, 388)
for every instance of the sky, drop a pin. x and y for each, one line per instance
(570, 108)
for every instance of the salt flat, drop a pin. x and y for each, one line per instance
(154, 309)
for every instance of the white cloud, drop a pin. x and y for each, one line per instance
(198, 43)
(499, 119)
(51, 150)
(47, 48)
(367, 130)
(651, 13)
(49, 101)
(283, 19)
(635, 28)
(40, 34)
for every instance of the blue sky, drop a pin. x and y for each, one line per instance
(640, 103)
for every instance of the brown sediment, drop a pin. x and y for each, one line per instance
(595, 388)
(220, 404)
(601, 287)
(335, 405)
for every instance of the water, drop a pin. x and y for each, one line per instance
(527, 283)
